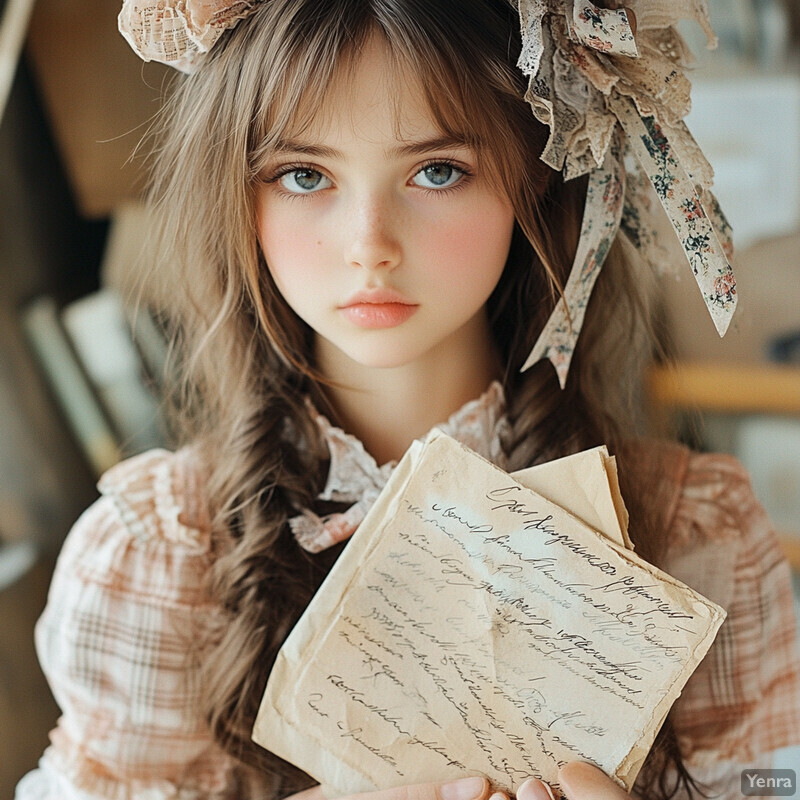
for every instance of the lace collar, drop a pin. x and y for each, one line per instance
(355, 477)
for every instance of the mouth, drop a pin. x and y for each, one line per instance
(378, 308)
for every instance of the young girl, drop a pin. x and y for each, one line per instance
(358, 241)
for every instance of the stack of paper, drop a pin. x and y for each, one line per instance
(485, 623)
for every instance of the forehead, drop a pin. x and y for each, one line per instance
(373, 98)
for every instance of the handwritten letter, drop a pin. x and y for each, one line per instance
(473, 626)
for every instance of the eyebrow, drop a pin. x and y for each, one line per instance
(409, 149)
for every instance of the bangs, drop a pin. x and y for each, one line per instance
(467, 91)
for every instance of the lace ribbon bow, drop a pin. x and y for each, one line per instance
(615, 106)
(355, 477)
(179, 32)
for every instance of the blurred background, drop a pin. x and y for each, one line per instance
(79, 377)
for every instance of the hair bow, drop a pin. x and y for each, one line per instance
(179, 32)
(615, 104)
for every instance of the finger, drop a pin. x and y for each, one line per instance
(534, 789)
(314, 793)
(581, 781)
(476, 788)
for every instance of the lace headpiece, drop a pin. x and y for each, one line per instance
(179, 32)
(610, 85)
(615, 103)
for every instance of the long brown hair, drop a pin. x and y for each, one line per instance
(244, 362)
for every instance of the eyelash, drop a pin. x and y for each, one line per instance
(275, 178)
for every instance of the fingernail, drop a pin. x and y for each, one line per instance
(464, 789)
(631, 19)
(534, 789)
(498, 796)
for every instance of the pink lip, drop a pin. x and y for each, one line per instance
(378, 308)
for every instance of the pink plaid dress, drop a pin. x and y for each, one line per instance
(128, 624)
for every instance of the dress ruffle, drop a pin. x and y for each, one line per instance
(355, 477)
(744, 698)
(153, 493)
(127, 627)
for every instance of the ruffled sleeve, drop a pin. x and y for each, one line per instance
(743, 702)
(121, 641)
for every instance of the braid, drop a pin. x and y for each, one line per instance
(270, 472)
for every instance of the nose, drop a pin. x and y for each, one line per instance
(372, 242)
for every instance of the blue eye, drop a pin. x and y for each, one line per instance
(440, 175)
(303, 181)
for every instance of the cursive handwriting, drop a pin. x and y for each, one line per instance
(451, 513)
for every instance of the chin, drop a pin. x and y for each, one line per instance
(382, 360)
(382, 354)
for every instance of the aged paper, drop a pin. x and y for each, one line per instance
(585, 485)
(473, 627)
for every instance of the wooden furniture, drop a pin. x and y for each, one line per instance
(729, 389)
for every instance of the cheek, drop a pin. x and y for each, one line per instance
(473, 245)
(290, 249)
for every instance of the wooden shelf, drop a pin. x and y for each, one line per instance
(738, 389)
(791, 547)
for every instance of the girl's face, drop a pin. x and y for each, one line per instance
(386, 240)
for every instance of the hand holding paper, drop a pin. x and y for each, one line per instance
(473, 627)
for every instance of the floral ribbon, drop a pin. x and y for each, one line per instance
(590, 80)
(705, 237)
(605, 29)
(601, 220)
